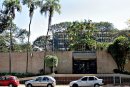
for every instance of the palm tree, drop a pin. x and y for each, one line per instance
(9, 8)
(50, 6)
(32, 5)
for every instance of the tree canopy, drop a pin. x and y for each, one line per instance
(81, 35)
(104, 26)
(51, 61)
(18, 40)
(119, 50)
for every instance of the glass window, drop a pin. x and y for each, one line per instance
(95, 78)
(84, 79)
(45, 79)
(91, 78)
(1, 78)
(39, 79)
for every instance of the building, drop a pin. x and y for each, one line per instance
(104, 36)
(61, 41)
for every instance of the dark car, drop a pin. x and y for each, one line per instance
(10, 81)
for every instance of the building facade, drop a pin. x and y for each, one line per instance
(61, 39)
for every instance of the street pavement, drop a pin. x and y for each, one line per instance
(68, 86)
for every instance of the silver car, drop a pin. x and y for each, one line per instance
(44, 81)
(87, 81)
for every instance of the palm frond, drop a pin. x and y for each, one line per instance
(44, 10)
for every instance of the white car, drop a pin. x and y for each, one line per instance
(42, 81)
(87, 81)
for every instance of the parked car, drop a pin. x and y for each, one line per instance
(10, 81)
(46, 81)
(87, 81)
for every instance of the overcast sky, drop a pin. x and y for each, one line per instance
(114, 11)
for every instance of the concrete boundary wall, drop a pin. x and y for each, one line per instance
(105, 63)
(35, 62)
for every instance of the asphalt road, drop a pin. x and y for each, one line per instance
(68, 86)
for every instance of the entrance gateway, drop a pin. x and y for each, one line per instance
(84, 62)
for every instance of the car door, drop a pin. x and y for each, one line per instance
(1, 81)
(37, 82)
(90, 81)
(45, 81)
(83, 81)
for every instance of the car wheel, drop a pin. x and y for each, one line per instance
(11, 85)
(49, 85)
(75, 85)
(96, 85)
(29, 85)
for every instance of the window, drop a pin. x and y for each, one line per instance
(39, 79)
(45, 79)
(91, 78)
(1, 78)
(84, 79)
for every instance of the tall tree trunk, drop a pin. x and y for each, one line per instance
(51, 69)
(46, 39)
(28, 45)
(10, 49)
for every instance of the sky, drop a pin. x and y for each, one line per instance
(113, 11)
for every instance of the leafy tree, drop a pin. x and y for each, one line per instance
(119, 50)
(49, 6)
(20, 47)
(51, 61)
(9, 8)
(60, 27)
(4, 21)
(21, 35)
(32, 5)
(104, 26)
(17, 39)
(39, 43)
(3, 45)
(125, 33)
(102, 45)
(81, 35)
